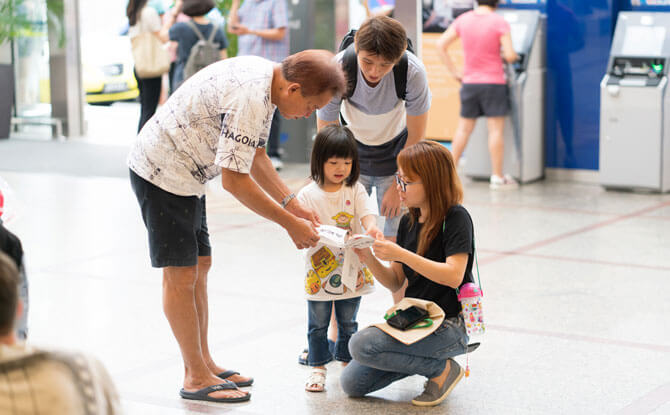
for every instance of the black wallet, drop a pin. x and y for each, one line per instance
(407, 318)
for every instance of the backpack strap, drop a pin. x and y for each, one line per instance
(195, 29)
(215, 29)
(350, 67)
(400, 77)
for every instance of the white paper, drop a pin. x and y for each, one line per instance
(340, 238)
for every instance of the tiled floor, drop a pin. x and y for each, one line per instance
(576, 283)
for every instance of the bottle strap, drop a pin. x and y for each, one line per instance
(474, 253)
(479, 281)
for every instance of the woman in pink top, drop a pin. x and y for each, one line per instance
(484, 91)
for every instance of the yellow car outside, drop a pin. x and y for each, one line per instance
(108, 70)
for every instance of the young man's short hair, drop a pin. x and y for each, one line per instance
(9, 293)
(382, 36)
(490, 3)
(316, 71)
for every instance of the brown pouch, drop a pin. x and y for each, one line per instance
(410, 336)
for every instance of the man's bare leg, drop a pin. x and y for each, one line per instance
(179, 306)
(202, 306)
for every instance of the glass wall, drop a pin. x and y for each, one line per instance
(31, 63)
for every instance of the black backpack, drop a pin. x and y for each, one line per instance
(350, 66)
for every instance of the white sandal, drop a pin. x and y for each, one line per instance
(316, 382)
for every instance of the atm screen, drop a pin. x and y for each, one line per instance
(523, 1)
(518, 33)
(643, 41)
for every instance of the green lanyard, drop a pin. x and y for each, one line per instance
(426, 322)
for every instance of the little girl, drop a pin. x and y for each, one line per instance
(339, 200)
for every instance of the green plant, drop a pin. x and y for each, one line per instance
(224, 7)
(14, 23)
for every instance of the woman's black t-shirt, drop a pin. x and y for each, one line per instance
(456, 237)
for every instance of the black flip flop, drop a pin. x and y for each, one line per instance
(203, 394)
(228, 373)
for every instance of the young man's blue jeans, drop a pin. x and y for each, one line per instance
(383, 184)
(317, 334)
(380, 360)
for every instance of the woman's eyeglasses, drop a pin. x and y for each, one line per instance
(402, 183)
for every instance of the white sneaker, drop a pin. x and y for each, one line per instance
(502, 183)
(276, 163)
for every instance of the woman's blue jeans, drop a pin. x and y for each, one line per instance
(317, 334)
(380, 360)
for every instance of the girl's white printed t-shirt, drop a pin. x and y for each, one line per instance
(323, 264)
(217, 119)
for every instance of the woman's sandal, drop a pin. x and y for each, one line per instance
(316, 381)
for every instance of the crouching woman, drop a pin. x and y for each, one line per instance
(434, 253)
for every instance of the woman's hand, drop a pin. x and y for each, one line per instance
(387, 250)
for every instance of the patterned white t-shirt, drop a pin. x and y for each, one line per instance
(216, 119)
(323, 264)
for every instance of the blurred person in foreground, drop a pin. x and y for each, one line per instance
(11, 245)
(37, 381)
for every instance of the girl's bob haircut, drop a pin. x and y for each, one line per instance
(334, 141)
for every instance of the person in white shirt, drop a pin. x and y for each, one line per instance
(340, 200)
(217, 123)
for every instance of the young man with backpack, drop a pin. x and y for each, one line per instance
(386, 106)
(200, 41)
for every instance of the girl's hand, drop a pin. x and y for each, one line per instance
(375, 232)
(364, 254)
(387, 250)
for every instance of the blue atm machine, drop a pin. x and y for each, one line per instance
(635, 104)
(524, 127)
